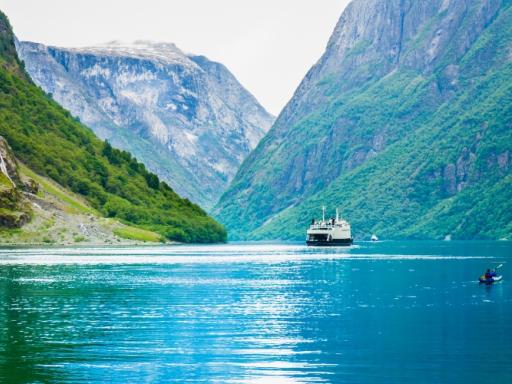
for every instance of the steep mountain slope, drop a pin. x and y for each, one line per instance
(47, 139)
(14, 209)
(185, 117)
(404, 123)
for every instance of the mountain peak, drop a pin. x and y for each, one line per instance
(8, 55)
(163, 52)
(138, 44)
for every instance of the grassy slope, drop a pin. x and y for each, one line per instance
(138, 234)
(48, 140)
(63, 205)
(397, 193)
(74, 203)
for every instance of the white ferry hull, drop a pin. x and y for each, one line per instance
(332, 243)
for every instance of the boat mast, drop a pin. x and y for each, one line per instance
(337, 215)
(323, 213)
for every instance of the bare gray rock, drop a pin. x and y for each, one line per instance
(185, 117)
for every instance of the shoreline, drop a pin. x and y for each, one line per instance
(87, 244)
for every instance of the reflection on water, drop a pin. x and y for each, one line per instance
(374, 313)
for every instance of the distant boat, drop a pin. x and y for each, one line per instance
(374, 237)
(332, 232)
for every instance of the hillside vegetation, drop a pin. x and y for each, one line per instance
(48, 140)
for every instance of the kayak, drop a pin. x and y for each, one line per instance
(490, 280)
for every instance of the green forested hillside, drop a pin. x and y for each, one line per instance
(47, 139)
(399, 193)
(405, 126)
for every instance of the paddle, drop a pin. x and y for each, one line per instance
(499, 266)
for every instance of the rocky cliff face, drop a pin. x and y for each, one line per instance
(396, 81)
(187, 118)
(14, 209)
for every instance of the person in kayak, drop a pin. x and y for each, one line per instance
(488, 274)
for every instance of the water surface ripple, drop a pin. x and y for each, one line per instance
(256, 313)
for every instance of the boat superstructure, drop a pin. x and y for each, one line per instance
(332, 232)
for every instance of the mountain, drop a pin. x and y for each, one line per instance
(53, 146)
(185, 117)
(404, 123)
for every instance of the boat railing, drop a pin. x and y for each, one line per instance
(326, 225)
(330, 223)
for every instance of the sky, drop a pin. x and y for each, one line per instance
(269, 45)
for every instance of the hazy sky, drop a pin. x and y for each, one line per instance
(268, 44)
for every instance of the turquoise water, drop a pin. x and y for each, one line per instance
(383, 312)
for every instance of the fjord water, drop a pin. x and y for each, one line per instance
(383, 312)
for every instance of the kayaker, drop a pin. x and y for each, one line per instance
(488, 274)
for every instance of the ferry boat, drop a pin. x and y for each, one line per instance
(332, 232)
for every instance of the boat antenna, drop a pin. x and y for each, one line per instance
(323, 213)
